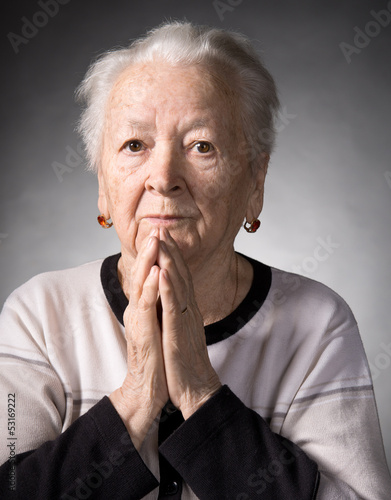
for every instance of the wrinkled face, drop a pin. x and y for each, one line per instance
(170, 157)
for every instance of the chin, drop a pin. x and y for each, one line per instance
(186, 243)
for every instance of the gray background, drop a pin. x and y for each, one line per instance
(330, 176)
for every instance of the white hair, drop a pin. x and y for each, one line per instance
(229, 54)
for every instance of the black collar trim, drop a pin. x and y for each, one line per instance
(216, 332)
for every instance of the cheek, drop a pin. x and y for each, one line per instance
(124, 188)
(123, 196)
(226, 189)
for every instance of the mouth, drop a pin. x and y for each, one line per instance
(163, 220)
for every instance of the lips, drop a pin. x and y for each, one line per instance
(163, 217)
(164, 220)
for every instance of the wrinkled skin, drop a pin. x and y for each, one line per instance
(177, 189)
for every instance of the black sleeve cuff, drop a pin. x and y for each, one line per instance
(205, 424)
(226, 450)
(135, 477)
(94, 457)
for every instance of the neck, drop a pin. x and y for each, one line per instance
(216, 285)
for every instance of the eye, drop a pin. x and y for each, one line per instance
(134, 146)
(204, 147)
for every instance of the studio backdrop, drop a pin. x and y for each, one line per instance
(327, 210)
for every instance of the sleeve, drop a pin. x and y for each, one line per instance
(69, 460)
(333, 418)
(226, 450)
(95, 455)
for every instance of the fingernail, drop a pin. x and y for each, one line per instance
(150, 242)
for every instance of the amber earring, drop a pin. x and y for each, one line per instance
(253, 226)
(104, 222)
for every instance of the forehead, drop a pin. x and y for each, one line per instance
(177, 90)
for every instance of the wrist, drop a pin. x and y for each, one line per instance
(137, 419)
(194, 403)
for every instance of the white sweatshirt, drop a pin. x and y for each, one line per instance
(291, 352)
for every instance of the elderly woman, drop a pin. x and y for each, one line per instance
(179, 368)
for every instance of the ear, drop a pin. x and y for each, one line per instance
(102, 199)
(255, 202)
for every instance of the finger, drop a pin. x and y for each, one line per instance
(175, 252)
(166, 261)
(146, 384)
(147, 302)
(144, 320)
(189, 373)
(178, 259)
(171, 319)
(145, 259)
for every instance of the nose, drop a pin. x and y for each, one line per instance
(166, 173)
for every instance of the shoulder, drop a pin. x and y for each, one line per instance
(298, 295)
(62, 285)
(310, 301)
(48, 305)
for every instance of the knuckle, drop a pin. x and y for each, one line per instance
(172, 308)
(144, 305)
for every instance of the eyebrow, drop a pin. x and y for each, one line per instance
(200, 123)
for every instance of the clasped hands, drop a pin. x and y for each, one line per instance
(167, 357)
